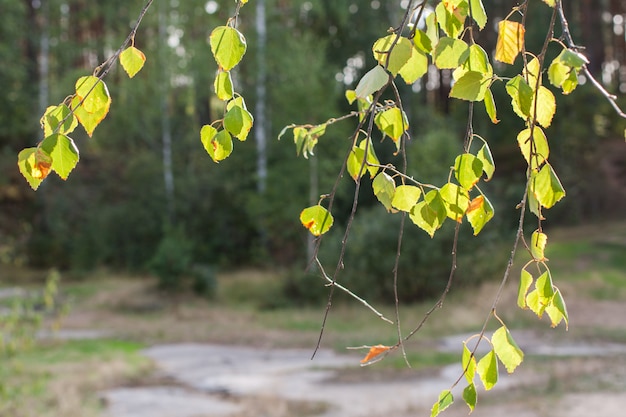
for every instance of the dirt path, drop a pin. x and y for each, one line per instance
(236, 381)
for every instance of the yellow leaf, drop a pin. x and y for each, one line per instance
(510, 41)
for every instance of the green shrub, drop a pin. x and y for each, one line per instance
(172, 260)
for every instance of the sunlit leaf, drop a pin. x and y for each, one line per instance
(525, 282)
(472, 86)
(556, 310)
(546, 106)
(219, 145)
(487, 369)
(544, 287)
(521, 96)
(478, 61)
(430, 213)
(570, 83)
(534, 303)
(432, 29)
(94, 94)
(52, 118)
(470, 397)
(478, 13)
(223, 85)
(384, 189)
(450, 53)
(573, 59)
(558, 72)
(533, 204)
(547, 187)
(422, 42)
(538, 242)
(451, 18)
(238, 120)
(535, 150)
(405, 197)
(393, 123)
(132, 60)
(456, 200)
(63, 152)
(467, 170)
(550, 3)
(372, 81)
(510, 41)
(228, 46)
(468, 362)
(355, 160)
(316, 219)
(34, 164)
(374, 352)
(489, 166)
(479, 212)
(415, 67)
(490, 107)
(444, 401)
(392, 52)
(532, 73)
(506, 349)
(89, 121)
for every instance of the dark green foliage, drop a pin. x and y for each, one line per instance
(172, 260)
(204, 282)
(424, 265)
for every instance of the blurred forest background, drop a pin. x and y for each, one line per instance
(118, 210)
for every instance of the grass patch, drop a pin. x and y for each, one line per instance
(57, 378)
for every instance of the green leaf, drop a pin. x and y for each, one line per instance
(52, 118)
(468, 362)
(89, 121)
(558, 72)
(456, 200)
(510, 41)
(525, 282)
(430, 213)
(219, 145)
(451, 20)
(534, 304)
(573, 59)
(470, 397)
(533, 204)
(538, 242)
(445, 400)
(228, 46)
(479, 212)
(570, 83)
(306, 139)
(556, 310)
(355, 160)
(316, 219)
(34, 164)
(521, 96)
(422, 42)
(546, 187)
(94, 94)
(472, 86)
(467, 170)
(506, 349)
(535, 151)
(63, 153)
(391, 56)
(432, 29)
(487, 369)
(532, 73)
(478, 61)
(405, 197)
(490, 107)
(223, 85)
(372, 81)
(384, 189)
(546, 106)
(478, 13)
(415, 67)
(238, 120)
(132, 60)
(450, 53)
(544, 287)
(485, 157)
(393, 123)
